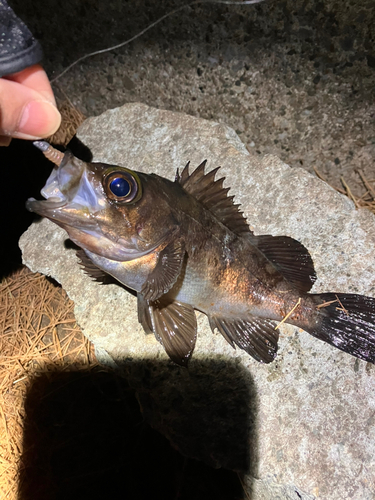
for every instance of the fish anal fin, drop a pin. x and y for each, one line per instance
(214, 197)
(174, 325)
(168, 267)
(92, 270)
(257, 336)
(289, 257)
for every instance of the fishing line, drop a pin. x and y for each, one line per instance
(138, 35)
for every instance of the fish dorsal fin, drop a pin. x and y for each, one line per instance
(256, 336)
(92, 270)
(174, 325)
(289, 257)
(214, 197)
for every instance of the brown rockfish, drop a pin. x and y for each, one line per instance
(185, 245)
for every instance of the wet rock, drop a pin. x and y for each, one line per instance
(308, 417)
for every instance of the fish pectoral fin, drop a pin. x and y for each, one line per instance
(174, 325)
(289, 257)
(92, 270)
(256, 336)
(166, 271)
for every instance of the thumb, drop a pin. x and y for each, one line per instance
(26, 113)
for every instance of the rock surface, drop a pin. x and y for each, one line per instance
(308, 419)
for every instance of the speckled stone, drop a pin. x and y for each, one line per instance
(294, 78)
(311, 427)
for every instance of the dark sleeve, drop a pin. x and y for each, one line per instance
(18, 47)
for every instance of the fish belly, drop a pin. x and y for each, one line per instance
(225, 290)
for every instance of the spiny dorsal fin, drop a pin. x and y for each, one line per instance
(289, 257)
(214, 197)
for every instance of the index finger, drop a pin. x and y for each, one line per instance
(35, 78)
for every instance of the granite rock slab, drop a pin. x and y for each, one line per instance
(308, 419)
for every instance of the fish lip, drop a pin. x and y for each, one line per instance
(53, 210)
(41, 207)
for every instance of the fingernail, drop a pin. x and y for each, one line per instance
(5, 140)
(39, 119)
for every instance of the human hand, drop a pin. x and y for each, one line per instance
(27, 106)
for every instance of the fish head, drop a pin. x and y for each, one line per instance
(109, 210)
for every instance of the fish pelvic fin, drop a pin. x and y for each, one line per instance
(174, 325)
(346, 321)
(256, 336)
(92, 270)
(144, 314)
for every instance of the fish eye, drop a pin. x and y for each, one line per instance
(122, 186)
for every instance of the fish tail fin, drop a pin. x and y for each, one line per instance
(347, 321)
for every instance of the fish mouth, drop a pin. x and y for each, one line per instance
(61, 211)
(73, 218)
(70, 197)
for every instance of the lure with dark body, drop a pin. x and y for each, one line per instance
(184, 245)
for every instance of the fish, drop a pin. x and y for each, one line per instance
(185, 246)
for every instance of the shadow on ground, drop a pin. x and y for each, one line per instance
(85, 437)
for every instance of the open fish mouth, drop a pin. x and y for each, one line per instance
(54, 197)
(70, 197)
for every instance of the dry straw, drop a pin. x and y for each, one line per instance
(366, 200)
(38, 334)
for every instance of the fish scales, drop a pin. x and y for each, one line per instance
(185, 246)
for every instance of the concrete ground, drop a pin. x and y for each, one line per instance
(293, 78)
